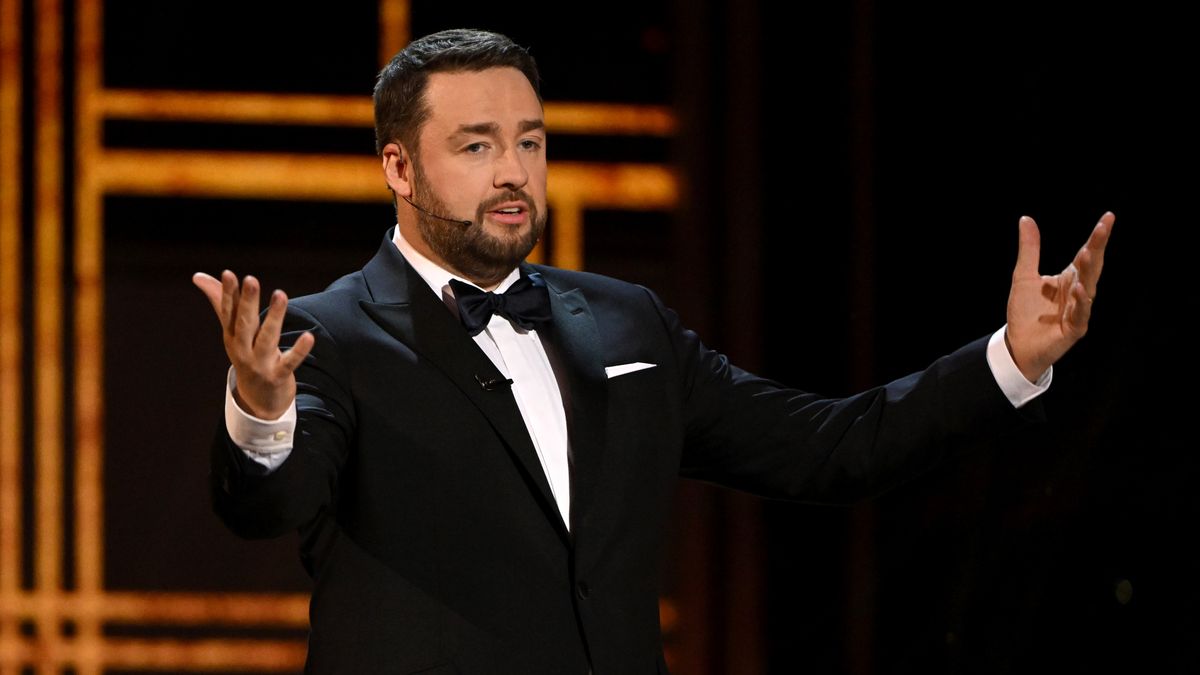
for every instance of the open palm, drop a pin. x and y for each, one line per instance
(1048, 314)
(266, 380)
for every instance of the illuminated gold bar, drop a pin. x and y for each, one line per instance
(610, 119)
(216, 655)
(567, 239)
(48, 325)
(89, 341)
(260, 609)
(633, 186)
(233, 174)
(356, 111)
(204, 654)
(198, 106)
(10, 315)
(240, 609)
(89, 328)
(48, 268)
(394, 28)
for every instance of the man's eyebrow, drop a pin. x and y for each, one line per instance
(479, 129)
(493, 129)
(530, 125)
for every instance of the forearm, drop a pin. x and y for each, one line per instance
(756, 435)
(255, 491)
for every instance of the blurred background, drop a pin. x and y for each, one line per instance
(827, 192)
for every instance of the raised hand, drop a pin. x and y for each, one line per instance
(1048, 314)
(266, 380)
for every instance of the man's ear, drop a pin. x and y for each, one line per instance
(397, 169)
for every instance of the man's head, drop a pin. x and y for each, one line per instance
(460, 130)
(400, 106)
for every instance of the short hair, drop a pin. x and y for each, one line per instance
(400, 107)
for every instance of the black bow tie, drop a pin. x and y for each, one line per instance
(525, 303)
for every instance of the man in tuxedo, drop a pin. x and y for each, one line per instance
(479, 453)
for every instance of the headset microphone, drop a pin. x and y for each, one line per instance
(464, 223)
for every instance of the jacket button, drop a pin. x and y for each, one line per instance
(582, 589)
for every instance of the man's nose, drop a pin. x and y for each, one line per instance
(510, 170)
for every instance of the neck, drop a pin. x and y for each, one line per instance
(411, 235)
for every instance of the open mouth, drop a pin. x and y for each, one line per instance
(510, 214)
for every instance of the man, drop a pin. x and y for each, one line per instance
(481, 479)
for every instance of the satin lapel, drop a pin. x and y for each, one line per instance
(408, 310)
(576, 341)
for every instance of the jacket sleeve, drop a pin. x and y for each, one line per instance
(255, 503)
(753, 434)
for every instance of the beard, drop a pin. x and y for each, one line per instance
(472, 251)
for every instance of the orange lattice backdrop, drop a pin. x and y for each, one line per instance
(57, 613)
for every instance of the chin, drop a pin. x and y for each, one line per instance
(507, 228)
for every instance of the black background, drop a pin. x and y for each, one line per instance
(866, 165)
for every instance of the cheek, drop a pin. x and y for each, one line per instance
(465, 185)
(537, 183)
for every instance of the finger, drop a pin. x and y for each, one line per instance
(1029, 245)
(246, 322)
(211, 288)
(1093, 250)
(267, 339)
(1079, 310)
(1084, 265)
(229, 300)
(293, 357)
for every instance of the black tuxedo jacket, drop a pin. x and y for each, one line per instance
(426, 519)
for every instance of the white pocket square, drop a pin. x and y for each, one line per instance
(624, 368)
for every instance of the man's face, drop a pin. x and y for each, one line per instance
(481, 156)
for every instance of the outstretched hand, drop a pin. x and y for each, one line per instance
(266, 380)
(1048, 314)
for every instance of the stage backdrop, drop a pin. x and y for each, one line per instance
(827, 192)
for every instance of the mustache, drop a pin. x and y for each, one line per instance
(510, 196)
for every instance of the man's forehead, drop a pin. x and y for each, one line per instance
(501, 95)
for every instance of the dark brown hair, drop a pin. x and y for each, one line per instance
(400, 108)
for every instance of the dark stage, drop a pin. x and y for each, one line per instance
(828, 193)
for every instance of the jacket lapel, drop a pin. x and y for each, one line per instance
(405, 307)
(575, 341)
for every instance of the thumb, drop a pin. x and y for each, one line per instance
(1029, 248)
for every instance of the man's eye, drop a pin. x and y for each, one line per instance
(530, 144)
(475, 148)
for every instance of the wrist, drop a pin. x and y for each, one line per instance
(245, 406)
(255, 411)
(1030, 370)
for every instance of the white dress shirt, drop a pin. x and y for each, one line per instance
(520, 356)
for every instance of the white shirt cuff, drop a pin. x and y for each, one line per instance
(267, 442)
(1014, 385)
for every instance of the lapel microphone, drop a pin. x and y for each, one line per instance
(464, 223)
(493, 384)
